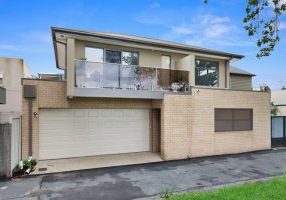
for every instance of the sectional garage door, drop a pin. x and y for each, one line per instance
(66, 133)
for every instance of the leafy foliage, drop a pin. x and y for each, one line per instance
(130, 58)
(206, 73)
(258, 23)
(28, 166)
(274, 109)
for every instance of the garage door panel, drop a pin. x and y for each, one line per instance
(57, 113)
(85, 132)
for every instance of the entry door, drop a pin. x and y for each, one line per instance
(66, 133)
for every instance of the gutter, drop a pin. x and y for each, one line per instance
(243, 74)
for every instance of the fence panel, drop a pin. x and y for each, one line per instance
(278, 131)
(15, 142)
(2, 163)
(10, 146)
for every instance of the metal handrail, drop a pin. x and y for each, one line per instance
(152, 74)
(130, 65)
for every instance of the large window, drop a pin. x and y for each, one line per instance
(233, 119)
(166, 62)
(206, 73)
(94, 54)
(130, 58)
(112, 56)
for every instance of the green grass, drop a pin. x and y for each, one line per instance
(274, 189)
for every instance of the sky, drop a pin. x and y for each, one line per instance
(26, 29)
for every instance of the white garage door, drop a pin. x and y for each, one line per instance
(68, 133)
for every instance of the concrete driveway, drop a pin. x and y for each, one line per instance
(145, 181)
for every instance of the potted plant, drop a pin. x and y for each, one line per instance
(25, 167)
(178, 84)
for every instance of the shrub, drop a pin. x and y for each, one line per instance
(25, 167)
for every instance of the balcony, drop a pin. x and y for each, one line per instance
(94, 79)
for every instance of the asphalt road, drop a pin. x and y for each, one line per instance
(147, 180)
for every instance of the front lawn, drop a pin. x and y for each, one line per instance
(274, 189)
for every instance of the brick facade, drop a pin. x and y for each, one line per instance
(187, 121)
(52, 94)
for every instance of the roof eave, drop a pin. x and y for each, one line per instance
(176, 46)
(240, 74)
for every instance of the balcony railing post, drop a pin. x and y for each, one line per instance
(156, 75)
(119, 77)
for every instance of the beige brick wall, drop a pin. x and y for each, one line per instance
(52, 94)
(176, 126)
(188, 123)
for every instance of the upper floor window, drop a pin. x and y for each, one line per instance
(166, 62)
(130, 58)
(112, 56)
(94, 54)
(1, 77)
(206, 73)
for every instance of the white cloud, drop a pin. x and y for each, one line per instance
(9, 47)
(183, 29)
(207, 30)
(155, 5)
(32, 41)
(212, 19)
(216, 30)
(282, 25)
(36, 36)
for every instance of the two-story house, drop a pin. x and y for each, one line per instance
(125, 94)
(12, 70)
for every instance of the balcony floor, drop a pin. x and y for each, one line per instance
(118, 93)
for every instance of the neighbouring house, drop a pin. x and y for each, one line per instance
(240, 79)
(125, 94)
(279, 100)
(51, 76)
(278, 120)
(12, 70)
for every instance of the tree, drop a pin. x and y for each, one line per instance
(258, 23)
(274, 109)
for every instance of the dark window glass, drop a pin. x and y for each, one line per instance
(233, 119)
(112, 56)
(130, 58)
(206, 73)
(1, 77)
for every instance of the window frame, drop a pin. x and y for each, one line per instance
(129, 52)
(114, 49)
(103, 53)
(1, 78)
(233, 120)
(170, 65)
(211, 61)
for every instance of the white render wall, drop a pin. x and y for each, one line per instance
(13, 70)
